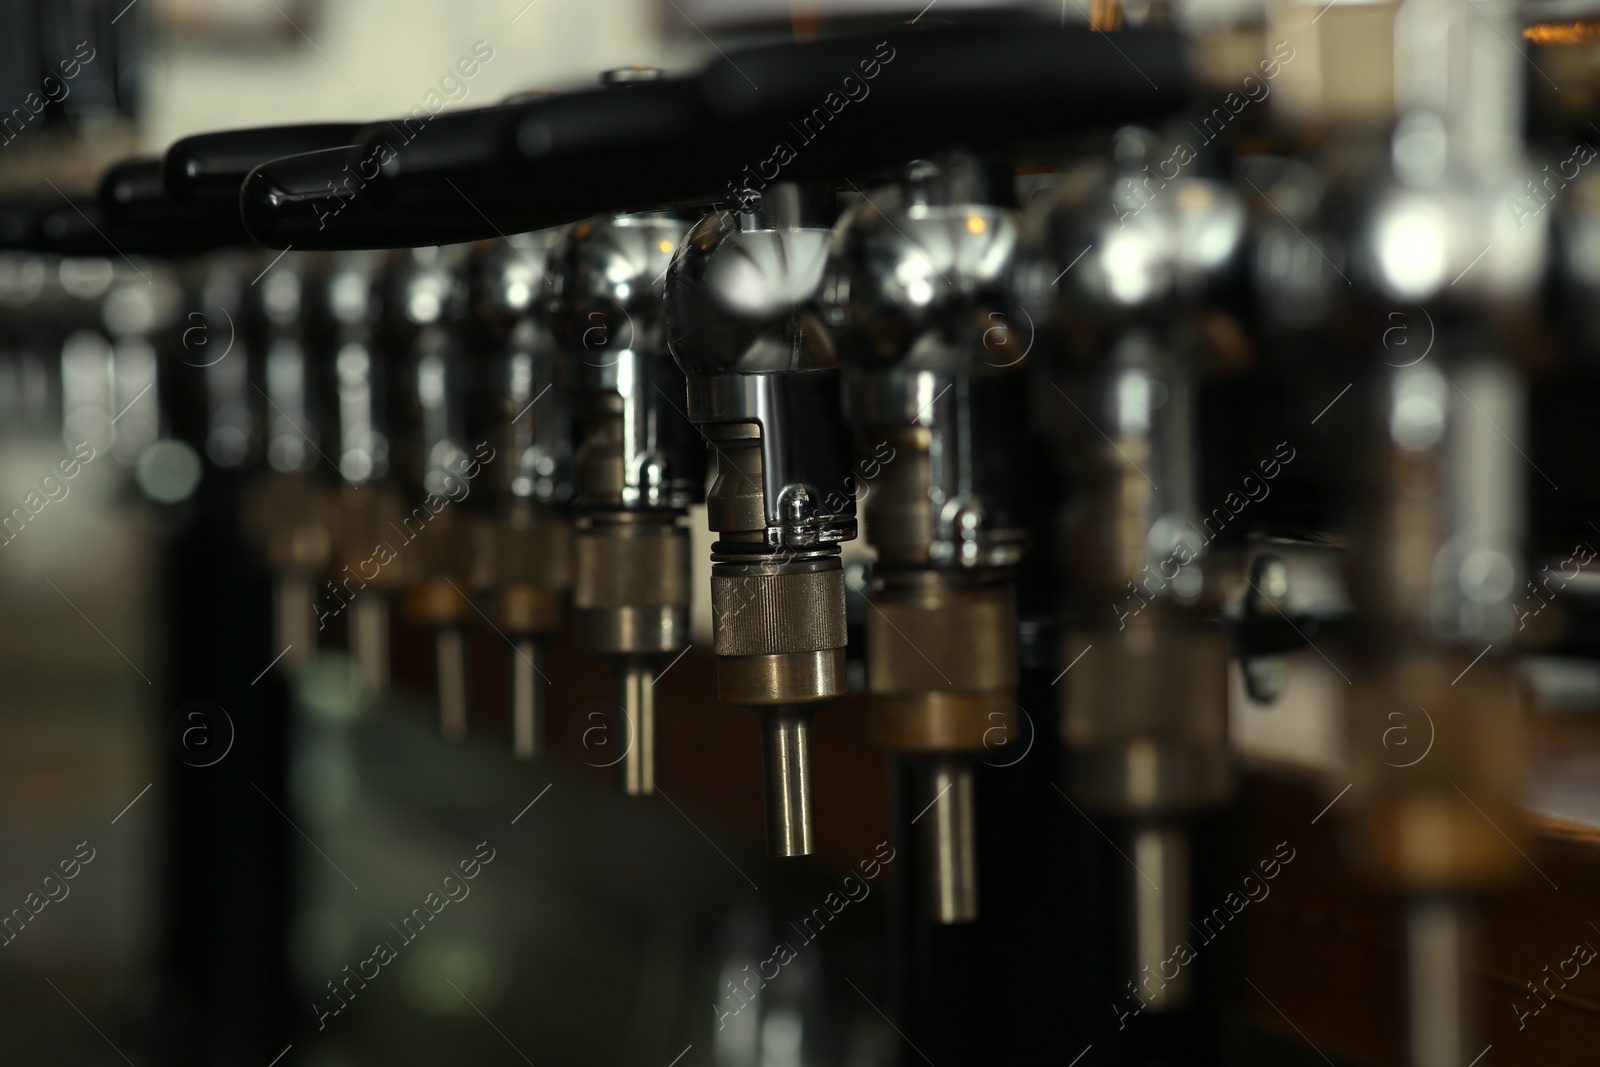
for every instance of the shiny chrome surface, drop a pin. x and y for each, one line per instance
(786, 769)
(764, 390)
(640, 463)
(915, 297)
(606, 305)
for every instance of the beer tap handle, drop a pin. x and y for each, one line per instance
(205, 170)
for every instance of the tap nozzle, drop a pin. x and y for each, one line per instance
(636, 697)
(529, 697)
(944, 791)
(786, 767)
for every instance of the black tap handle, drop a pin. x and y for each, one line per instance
(629, 147)
(1019, 79)
(840, 108)
(431, 148)
(78, 227)
(19, 221)
(866, 101)
(133, 203)
(345, 197)
(465, 177)
(311, 202)
(72, 227)
(205, 170)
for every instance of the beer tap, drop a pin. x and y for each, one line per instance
(437, 464)
(289, 509)
(915, 297)
(1144, 695)
(1436, 570)
(764, 389)
(639, 466)
(357, 380)
(522, 564)
(212, 340)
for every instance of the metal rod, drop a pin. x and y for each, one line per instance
(369, 642)
(450, 642)
(949, 856)
(1161, 910)
(1439, 945)
(786, 763)
(636, 696)
(294, 609)
(528, 698)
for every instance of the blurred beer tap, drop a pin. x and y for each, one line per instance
(427, 290)
(915, 297)
(1438, 498)
(639, 466)
(213, 343)
(356, 378)
(1144, 693)
(522, 565)
(36, 314)
(289, 509)
(764, 388)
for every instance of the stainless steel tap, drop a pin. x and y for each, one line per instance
(437, 463)
(522, 562)
(1144, 701)
(639, 466)
(915, 298)
(764, 388)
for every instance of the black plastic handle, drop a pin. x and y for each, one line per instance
(863, 102)
(492, 172)
(311, 202)
(19, 221)
(461, 177)
(72, 228)
(435, 147)
(205, 170)
(833, 110)
(1018, 79)
(629, 147)
(133, 201)
(77, 227)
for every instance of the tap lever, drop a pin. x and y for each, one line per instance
(204, 170)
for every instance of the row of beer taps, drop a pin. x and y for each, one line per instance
(516, 430)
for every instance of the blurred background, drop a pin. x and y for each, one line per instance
(207, 855)
(602, 931)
